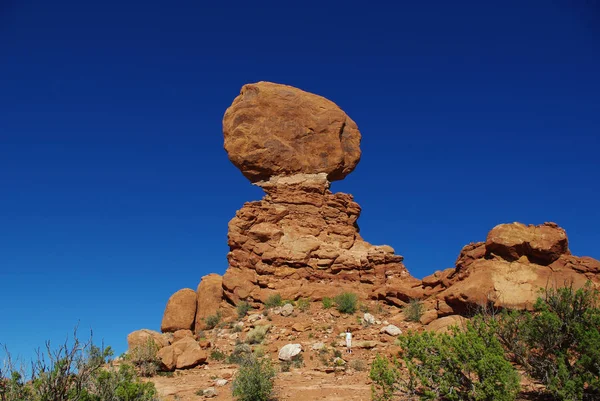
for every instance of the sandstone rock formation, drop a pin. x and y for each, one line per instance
(508, 270)
(209, 298)
(278, 130)
(180, 312)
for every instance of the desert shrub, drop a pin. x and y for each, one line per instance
(327, 302)
(254, 380)
(385, 377)
(303, 304)
(273, 301)
(217, 355)
(559, 343)
(337, 353)
(242, 309)
(212, 321)
(75, 371)
(257, 334)
(358, 365)
(346, 302)
(413, 310)
(240, 353)
(144, 358)
(466, 364)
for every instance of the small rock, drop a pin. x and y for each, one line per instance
(300, 327)
(367, 344)
(287, 310)
(221, 382)
(209, 392)
(254, 317)
(287, 352)
(428, 317)
(276, 310)
(391, 330)
(339, 362)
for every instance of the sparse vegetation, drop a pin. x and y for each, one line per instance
(346, 302)
(327, 302)
(413, 310)
(144, 358)
(213, 320)
(254, 380)
(239, 353)
(257, 334)
(217, 355)
(358, 365)
(242, 309)
(303, 304)
(273, 301)
(74, 371)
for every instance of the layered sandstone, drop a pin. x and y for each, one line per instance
(302, 240)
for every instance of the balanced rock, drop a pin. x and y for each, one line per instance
(180, 312)
(278, 130)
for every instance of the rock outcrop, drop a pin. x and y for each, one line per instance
(509, 269)
(278, 130)
(209, 298)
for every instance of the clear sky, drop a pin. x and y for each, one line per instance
(115, 190)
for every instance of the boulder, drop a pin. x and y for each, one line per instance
(209, 296)
(141, 338)
(180, 311)
(443, 324)
(391, 330)
(368, 318)
(278, 130)
(287, 310)
(287, 352)
(185, 353)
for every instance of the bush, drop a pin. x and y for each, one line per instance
(414, 310)
(240, 353)
(463, 365)
(257, 334)
(327, 303)
(346, 302)
(385, 376)
(273, 301)
(242, 309)
(144, 358)
(254, 380)
(303, 304)
(74, 371)
(358, 364)
(212, 321)
(559, 344)
(217, 355)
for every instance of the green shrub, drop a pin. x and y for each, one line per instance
(240, 353)
(254, 380)
(242, 309)
(358, 364)
(414, 310)
(385, 377)
(303, 304)
(74, 371)
(346, 302)
(463, 365)
(257, 334)
(273, 301)
(217, 355)
(559, 343)
(144, 358)
(212, 321)
(327, 303)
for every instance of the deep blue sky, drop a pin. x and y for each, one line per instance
(115, 190)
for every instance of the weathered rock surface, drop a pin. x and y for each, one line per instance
(209, 298)
(180, 311)
(301, 240)
(278, 130)
(509, 269)
(183, 354)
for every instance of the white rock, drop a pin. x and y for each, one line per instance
(253, 318)
(391, 330)
(221, 382)
(368, 318)
(287, 310)
(287, 352)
